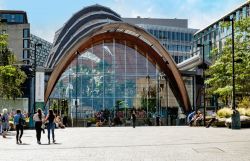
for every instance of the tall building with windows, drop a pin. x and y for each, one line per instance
(42, 52)
(173, 34)
(214, 36)
(16, 25)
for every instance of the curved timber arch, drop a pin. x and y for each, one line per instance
(135, 35)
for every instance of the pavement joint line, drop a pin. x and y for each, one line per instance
(118, 146)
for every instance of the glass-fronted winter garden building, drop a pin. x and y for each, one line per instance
(100, 62)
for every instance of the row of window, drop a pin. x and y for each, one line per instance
(180, 48)
(175, 36)
(13, 18)
(179, 59)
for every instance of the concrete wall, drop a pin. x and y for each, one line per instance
(15, 37)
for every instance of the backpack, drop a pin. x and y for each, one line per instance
(3, 118)
(21, 121)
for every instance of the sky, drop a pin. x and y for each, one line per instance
(47, 16)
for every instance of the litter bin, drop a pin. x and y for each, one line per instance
(157, 120)
(88, 123)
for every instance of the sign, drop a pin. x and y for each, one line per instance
(39, 86)
(75, 101)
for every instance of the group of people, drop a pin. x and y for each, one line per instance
(41, 120)
(195, 118)
(19, 122)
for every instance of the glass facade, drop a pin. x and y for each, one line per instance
(112, 75)
(13, 18)
(176, 40)
(214, 36)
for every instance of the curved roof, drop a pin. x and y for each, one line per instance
(81, 22)
(84, 36)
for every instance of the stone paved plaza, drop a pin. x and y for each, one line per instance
(128, 144)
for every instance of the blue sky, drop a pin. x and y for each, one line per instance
(46, 16)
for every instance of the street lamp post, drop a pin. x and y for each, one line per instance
(147, 77)
(236, 124)
(76, 102)
(203, 74)
(34, 70)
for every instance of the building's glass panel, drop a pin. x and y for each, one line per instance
(178, 36)
(112, 75)
(26, 33)
(182, 36)
(26, 54)
(26, 43)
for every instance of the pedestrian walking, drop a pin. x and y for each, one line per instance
(19, 122)
(133, 118)
(39, 119)
(0, 124)
(5, 122)
(51, 125)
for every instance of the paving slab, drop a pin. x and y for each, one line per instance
(149, 143)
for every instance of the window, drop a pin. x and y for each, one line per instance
(169, 35)
(26, 33)
(186, 36)
(165, 35)
(26, 43)
(176, 59)
(190, 37)
(157, 34)
(173, 36)
(178, 36)
(26, 54)
(180, 59)
(160, 34)
(182, 36)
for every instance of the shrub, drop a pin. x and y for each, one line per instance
(247, 112)
(242, 111)
(244, 103)
(224, 112)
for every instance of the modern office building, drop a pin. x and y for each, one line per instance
(214, 36)
(42, 51)
(173, 34)
(15, 24)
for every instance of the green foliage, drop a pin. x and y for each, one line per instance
(244, 103)
(148, 99)
(220, 73)
(247, 113)
(11, 77)
(242, 111)
(224, 112)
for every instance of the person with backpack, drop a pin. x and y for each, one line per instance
(5, 122)
(19, 122)
(39, 119)
(51, 125)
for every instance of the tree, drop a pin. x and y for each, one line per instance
(11, 76)
(220, 73)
